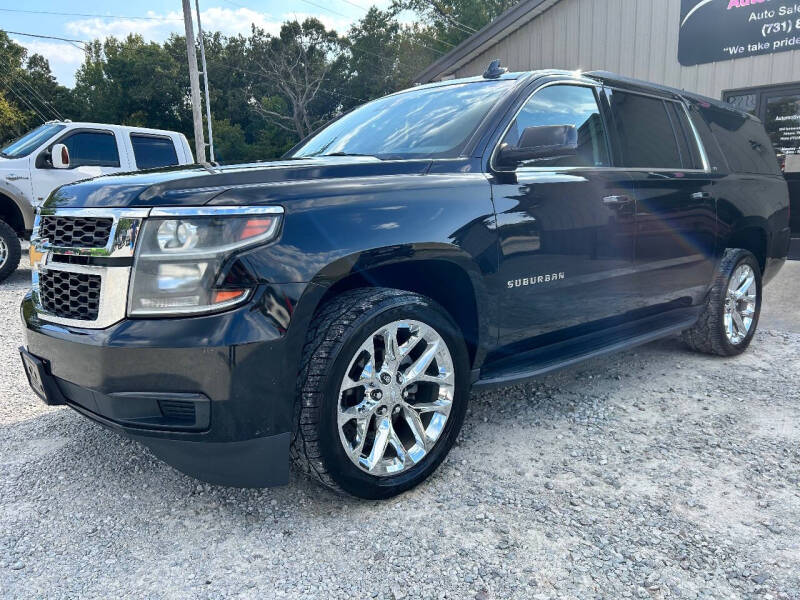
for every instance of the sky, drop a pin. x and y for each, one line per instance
(156, 20)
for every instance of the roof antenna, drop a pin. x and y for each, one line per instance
(495, 70)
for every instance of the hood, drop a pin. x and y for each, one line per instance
(198, 185)
(13, 163)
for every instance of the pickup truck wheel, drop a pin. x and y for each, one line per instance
(10, 251)
(730, 317)
(383, 390)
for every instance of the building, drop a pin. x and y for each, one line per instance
(746, 52)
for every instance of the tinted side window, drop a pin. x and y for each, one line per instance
(151, 151)
(743, 141)
(92, 148)
(644, 132)
(565, 105)
(714, 154)
(690, 155)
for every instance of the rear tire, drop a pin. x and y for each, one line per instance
(345, 372)
(730, 317)
(10, 251)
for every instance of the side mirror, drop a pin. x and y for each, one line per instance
(541, 143)
(59, 156)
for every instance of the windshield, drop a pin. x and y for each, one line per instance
(427, 123)
(31, 140)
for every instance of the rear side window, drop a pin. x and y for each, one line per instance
(644, 132)
(687, 143)
(742, 140)
(716, 159)
(92, 149)
(153, 151)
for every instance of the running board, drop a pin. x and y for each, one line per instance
(534, 363)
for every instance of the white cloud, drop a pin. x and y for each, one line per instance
(64, 58)
(57, 53)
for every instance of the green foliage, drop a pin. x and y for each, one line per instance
(29, 94)
(453, 21)
(267, 91)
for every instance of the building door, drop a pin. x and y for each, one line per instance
(779, 108)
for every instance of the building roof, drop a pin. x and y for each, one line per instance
(511, 20)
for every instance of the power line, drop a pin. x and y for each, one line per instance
(44, 103)
(47, 37)
(341, 14)
(340, 95)
(48, 106)
(23, 99)
(430, 37)
(461, 26)
(73, 14)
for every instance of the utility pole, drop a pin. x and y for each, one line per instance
(201, 37)
(194, 80)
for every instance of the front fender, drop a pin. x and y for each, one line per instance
(17, 196)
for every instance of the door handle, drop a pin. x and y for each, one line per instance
(616, 200)
(701, 196)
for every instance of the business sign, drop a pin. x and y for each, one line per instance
(715, 30)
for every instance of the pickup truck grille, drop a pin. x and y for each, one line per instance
(70, 295)
(75, 232)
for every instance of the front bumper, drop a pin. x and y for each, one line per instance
(211, 395)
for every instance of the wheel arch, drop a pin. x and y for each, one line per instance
(13, 212)
(443, 273)
(751, 235)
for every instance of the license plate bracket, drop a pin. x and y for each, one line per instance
(40, 380)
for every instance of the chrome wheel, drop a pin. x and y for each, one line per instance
(3, 252)
(395, 398)
(740, 304)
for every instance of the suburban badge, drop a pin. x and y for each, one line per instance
(535, 280)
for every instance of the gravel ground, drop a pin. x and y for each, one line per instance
(656, 473)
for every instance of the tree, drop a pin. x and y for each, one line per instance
(133, 82)
(453, 21)
(29, 94)
(296, 64)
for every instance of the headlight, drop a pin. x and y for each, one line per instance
(180, 252)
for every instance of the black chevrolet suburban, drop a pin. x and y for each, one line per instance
(337, 306)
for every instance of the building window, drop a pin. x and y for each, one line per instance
(745, 102)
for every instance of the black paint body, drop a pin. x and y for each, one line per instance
(454, 229)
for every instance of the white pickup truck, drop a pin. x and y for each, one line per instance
(61, 152)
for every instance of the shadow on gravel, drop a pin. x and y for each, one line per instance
(20, 277)
(62, 450)
(637, 471)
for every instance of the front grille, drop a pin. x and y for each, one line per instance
(75, 232)
(70, 295)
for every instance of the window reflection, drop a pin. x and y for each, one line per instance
(426, 123)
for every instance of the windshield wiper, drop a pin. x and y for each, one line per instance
(348, 154)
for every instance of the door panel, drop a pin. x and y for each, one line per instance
(675, 239)
(675, 204)
(566, 223)
(566, 250)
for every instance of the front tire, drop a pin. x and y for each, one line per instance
(10, 251)
(730, 317)
(382, 392)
